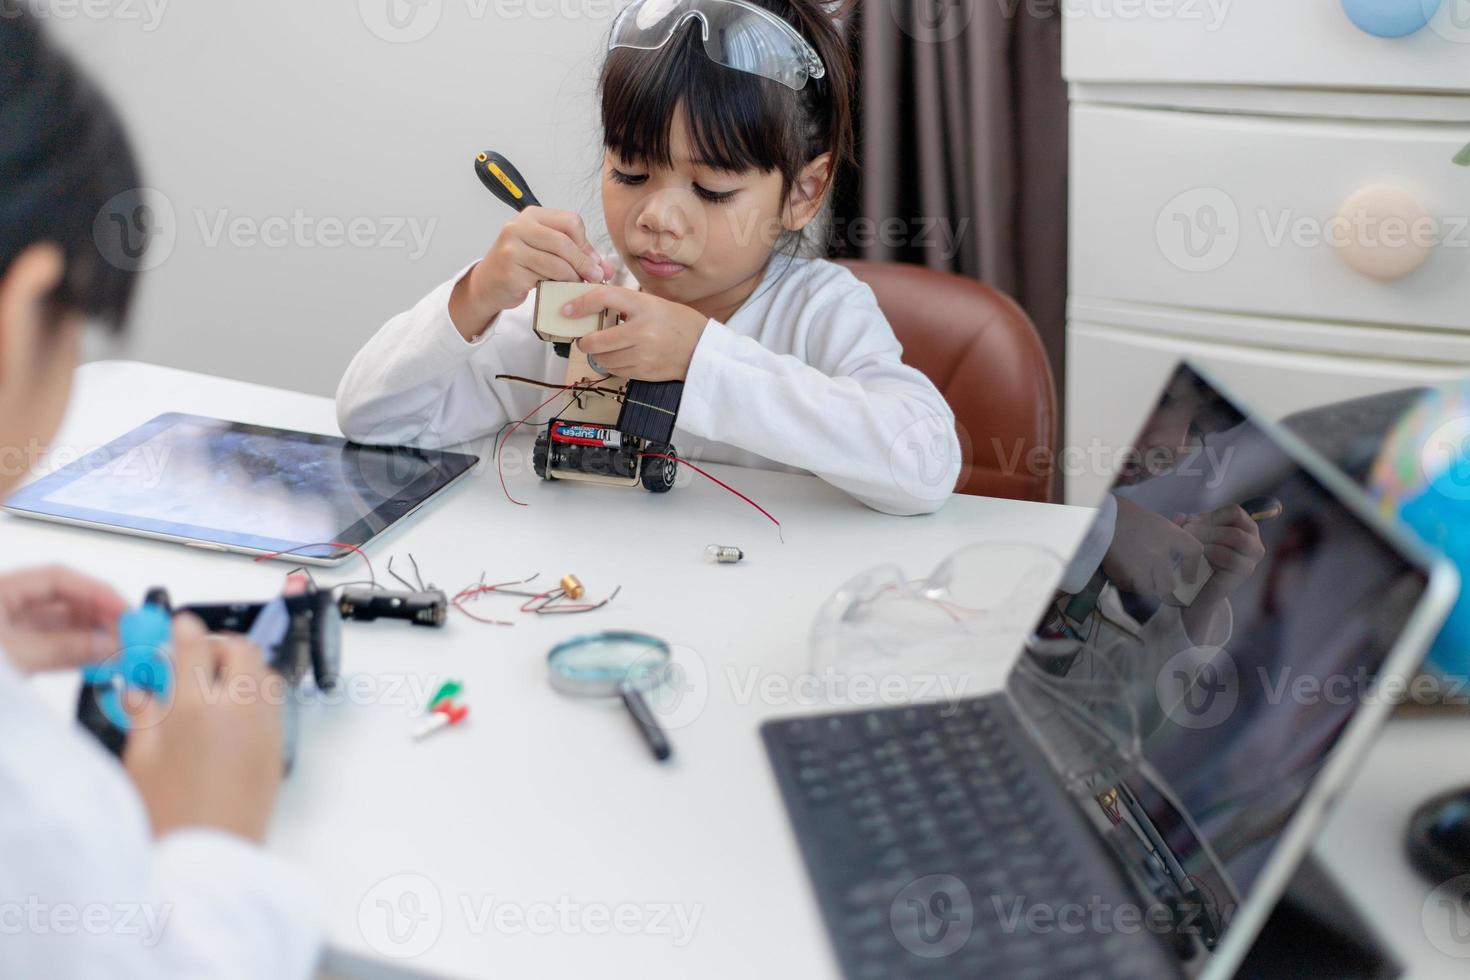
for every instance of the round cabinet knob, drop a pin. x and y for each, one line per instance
(1384, 233)
(1392, 18)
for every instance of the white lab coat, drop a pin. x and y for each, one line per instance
(805, 377)
(86, 892)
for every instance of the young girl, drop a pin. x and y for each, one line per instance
(151, 869)
(719, 164)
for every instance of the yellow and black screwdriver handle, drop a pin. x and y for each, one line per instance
(650, 407)
(503, 180)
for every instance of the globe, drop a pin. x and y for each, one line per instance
(1422, 477)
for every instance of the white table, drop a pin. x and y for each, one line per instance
(540, 839)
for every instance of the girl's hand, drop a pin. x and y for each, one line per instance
(537, 244)
(1232, 544)
(1150, 555)
(655, 341)
(54, 618)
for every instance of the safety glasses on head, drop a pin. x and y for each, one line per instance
(736, 34)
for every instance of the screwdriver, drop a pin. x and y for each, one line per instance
(503, 180)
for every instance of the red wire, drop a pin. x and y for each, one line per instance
(543, 595)
(458, 603)
(722, 483)
(324, 544)
(499, 467)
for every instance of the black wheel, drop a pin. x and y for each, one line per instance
(539, 454)
(658, 474)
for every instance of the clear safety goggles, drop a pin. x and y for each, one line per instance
(737, 35)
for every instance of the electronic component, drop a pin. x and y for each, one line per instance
(366, 604)
(447, 692)
(554, 328)
(633, 420)
(650, 409)
(297, 633)
(574, 449)
(445, 714)
(573, 587)
(547, 603)
(723, 554)
(586, 435)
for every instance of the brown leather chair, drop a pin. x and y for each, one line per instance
(984, 355)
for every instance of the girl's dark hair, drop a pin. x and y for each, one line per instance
(736, 120)
(63, 160)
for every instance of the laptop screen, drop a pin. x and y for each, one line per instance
(1217, 631)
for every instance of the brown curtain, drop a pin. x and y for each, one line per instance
(963, 144)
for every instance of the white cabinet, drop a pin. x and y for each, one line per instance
(1256, 214)
(1301, 43)
(1240, 197)
(1104, 414)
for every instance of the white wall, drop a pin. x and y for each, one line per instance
(249, 111)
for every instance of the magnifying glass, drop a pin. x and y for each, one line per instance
(615, 664)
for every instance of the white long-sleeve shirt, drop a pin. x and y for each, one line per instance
(87, 894)
(807, 376)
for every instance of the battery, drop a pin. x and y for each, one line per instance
(586, 435)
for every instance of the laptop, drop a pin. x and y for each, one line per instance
(1167, 743)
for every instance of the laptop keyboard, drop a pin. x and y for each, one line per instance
(933, 853)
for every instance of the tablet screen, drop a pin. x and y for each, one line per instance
(243, 487)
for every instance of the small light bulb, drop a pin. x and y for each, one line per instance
(723, 554)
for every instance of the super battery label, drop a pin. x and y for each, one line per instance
(586, 435)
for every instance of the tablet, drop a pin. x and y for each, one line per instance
(248, 489)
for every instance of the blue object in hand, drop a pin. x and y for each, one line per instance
(141, 663)
(1392, 18)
